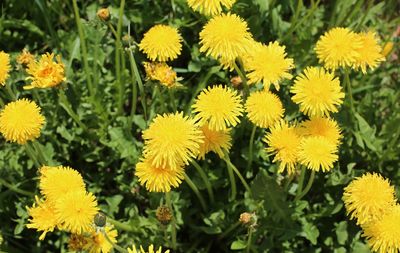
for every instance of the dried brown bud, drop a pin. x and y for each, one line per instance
(103, 14)
(77, 242)
(248, 219)
(163, 215)
(236, 81)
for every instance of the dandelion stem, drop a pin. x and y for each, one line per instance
(31, 154)
(173, 221)
(232, 180)
(115, 246)
(120, 225)
(230, 229)
(288, 181)
(206, 181)
(160, 95)
(249, 237)
(196, 191)
(243, 77)
(39, 152)
(308, 186)
(349, 91)
(230, 165)
(251, 144)
(118, 48)
(11, 92)
(16, 189)
(139, 81)
(172, 98)
(301, 180)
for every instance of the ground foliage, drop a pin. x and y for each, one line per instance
(90, 133)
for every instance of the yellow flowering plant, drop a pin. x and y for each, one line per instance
(199, 126)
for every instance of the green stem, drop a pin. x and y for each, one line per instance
(16, 189)
(349, 91)
(173, 221)
(160, 96)
(288, 181)
(301, 180)
(115, 246)
(308, 186)
(120, 225)
(196, 191)
(10, 92)
(251, 144)
(243, 77)
(118, 48)
(248, 247)
(230, 164)
(172, 98)
(230, 229)
(68, 108)
(31, 154)
(232, 181)
(84, 50)
(139, 81)
(205, 180)
(39, 152)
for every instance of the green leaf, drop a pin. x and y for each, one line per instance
(238, 245)
(341, 232)
(310, 231)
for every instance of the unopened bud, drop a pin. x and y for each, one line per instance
(236, 81)
(248, 219)
(100, 219)
(163, 215)
(103, 14)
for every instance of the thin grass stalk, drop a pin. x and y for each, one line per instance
(118, 48)
(31, 154)
(63, 101)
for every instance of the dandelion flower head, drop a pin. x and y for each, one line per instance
(216, 141)
(324, 127)
(57, 181)
(76, 211)
(210, 7)
(338, 47)
(225, 37)
(383, 235)
(161, 72)
(283, 141)
(4, 67)
(43, 217)
(317, 92)
(172, 140)
(158, 178)
(368, 197)
(161, 43)
(46, 72)
(268, 64)
(318, 153)
(264, 108)
(219, 107)
(21, 121)
(370, 52)
(150, 250)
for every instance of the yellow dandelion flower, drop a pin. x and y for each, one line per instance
(161, 72)
(370, 52)
(268, 64)
(324, 127)
(338, 47)
(161, 43)
(264, 108)
(210, 7)
(4, 67)
(317, 92)
(283, 141)
(225, 38)
(216, 141)
(172, 140)
(368, 197)
(25, 57)
(142, 250)
(383, 235)
(21, 121)
(98, 243)
(76, 211)
(77, 242)
(57, 181)
(317, 153)
(43, 217)
(158, 178)
(45, 73)
(219, 107)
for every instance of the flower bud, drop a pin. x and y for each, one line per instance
(103, 14)
(236, 81)
(100, 219)
(248, 219)
(163, 215)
